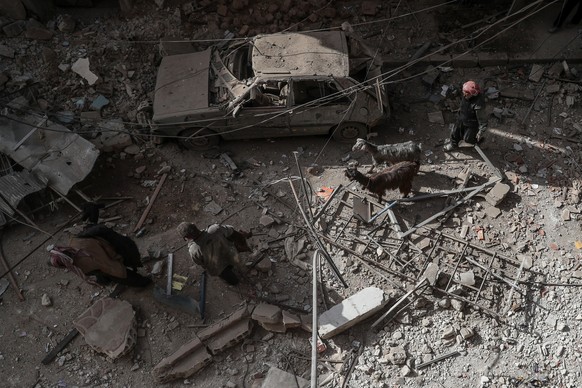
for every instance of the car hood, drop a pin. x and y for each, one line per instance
(181, 86)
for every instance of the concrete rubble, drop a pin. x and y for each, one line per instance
(501, 306)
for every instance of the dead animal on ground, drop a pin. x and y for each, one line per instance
(389, 153)
(398, 176)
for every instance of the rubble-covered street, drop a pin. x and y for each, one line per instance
(472, 280)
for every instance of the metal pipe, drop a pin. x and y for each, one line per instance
(317, 239)
(314, 321)
(295, 153)
(170, 271)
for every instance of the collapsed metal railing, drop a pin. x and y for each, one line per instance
(451, 267)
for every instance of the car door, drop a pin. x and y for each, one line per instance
(263, 113)
(317, 105)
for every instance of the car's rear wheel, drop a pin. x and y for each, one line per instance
(198, 139)
(349, 132)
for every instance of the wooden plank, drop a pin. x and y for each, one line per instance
(149, 207)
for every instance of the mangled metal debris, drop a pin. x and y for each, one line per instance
(56, 154)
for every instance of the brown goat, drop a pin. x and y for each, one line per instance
(398, 176)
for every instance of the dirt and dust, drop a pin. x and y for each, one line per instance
(536, 144)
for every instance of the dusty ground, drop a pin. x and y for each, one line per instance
(538, 340)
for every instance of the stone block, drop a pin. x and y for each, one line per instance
(267, 313)
(553, 88)
(536, 73)
(280, 379)
(352, 310)
(274, 327)
(492, 212)
(291, 321)
(6, 51)
(306, 322)
(431, 74)
(12, 30)
(397, 355)
(496, 195)
(183, 363)
(227, 332)
(38, 33)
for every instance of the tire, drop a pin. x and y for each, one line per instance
(349, 132)
(198, 139)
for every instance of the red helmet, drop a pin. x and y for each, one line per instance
(471, 88)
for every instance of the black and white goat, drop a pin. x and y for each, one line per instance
(389, 153)
(398, 176)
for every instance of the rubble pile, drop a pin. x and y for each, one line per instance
(472, 280)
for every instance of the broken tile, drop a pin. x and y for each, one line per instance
(290, 320)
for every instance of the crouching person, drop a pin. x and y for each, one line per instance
(216, 248)
(99, 261)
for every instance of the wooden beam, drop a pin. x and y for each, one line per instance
(152, 200)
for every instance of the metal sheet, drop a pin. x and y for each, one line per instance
(301, 54)
(16, 186)
(56, 154)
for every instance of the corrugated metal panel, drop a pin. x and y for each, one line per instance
(16, 186)
(5, 208)
(62, 156)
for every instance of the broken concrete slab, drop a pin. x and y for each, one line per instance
(397, 355)
(81, 67)
(352, 310)
(227, 332)
(267, 313)
(213, 208)
(536, 73)
(291, 321)
(183, 363)
(492, 211)
(496, 195)
(12, 30)
(109, 326)
(431, 74)
(279, 378)
(113, 139)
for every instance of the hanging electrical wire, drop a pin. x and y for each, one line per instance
(384, 79)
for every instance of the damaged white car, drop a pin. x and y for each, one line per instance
(288, 84)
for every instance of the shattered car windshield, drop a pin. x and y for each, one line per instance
(237, 60)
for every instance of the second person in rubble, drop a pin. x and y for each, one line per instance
(216, 248)
(472, 121)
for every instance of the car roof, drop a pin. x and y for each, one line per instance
(323, 53)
